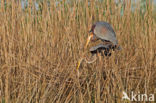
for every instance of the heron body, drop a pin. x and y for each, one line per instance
(102, 31)
(100, 48)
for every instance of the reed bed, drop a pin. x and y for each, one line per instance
(39, 51)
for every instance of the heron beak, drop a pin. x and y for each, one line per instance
(88, 39)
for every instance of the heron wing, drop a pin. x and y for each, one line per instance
(104, 31)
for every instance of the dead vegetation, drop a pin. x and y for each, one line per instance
(39, 51)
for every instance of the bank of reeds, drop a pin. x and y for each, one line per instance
(39, 50)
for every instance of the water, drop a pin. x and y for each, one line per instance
(24, 3)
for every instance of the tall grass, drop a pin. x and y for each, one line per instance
(39, 50)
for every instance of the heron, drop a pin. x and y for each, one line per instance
(101, 31)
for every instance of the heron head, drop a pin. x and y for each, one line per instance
(91, 35)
